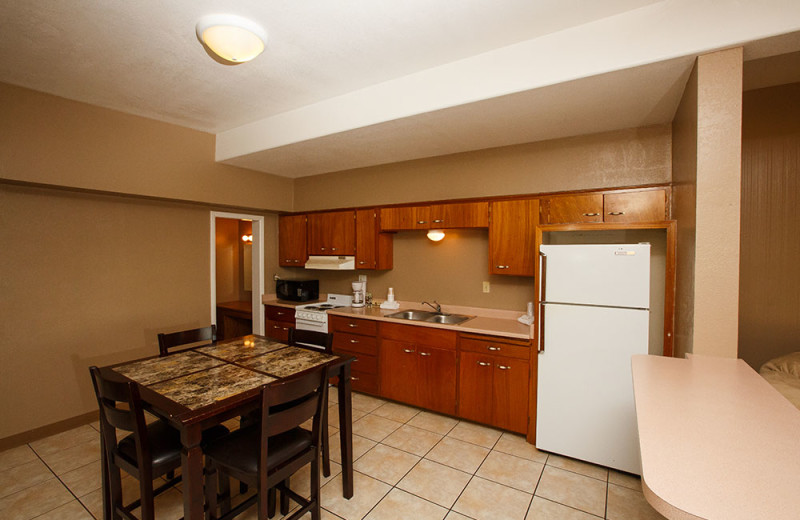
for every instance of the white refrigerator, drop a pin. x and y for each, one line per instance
(593, 317)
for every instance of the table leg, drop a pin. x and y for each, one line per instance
(192, 472)
(106, 488)
(346, 430)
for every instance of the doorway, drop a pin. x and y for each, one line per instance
(237, 273)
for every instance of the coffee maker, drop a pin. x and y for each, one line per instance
(359, 294)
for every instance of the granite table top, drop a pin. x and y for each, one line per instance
(203, 376)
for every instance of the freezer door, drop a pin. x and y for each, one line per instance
(585, 405)
(616, 275)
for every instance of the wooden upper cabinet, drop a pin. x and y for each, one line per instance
(635, 206)
(632, 206)
(574, 209)
(460, 215)
(332, 233)
(406, 217)
(511, 237)
(373, 248)
(292, 251)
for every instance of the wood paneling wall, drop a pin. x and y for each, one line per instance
(769, 298)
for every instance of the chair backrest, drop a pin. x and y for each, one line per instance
(167, 342)
(128, 417)
(288, 403)
(310, 337)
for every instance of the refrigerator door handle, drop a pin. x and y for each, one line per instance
(542, 298)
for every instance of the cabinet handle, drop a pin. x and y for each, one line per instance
(353, 341)
(280, 313)
(493, 348)
(501, 266)
(361, 262)
(409, 350)
(333, 249)
(297, 261)
(438, 220)
(484, 364)
(591, 214)
(322, 249)
(355, 359)
(615, 213)
(352, 325)
(354, 378)
(425, 354)
(503, 367)
(422, 222)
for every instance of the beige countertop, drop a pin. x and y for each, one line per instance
(486, 321)
(717, 441)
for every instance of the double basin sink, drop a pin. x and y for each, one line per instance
(430, 317)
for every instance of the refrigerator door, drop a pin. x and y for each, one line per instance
(616, 275)
(585, 405)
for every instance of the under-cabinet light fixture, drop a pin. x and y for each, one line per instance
(232, 38)
(435, 235)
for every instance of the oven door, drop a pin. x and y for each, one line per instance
(316, 326)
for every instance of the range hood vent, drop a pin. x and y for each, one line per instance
(331, 263)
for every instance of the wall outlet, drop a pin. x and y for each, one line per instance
(362, 278)
(486, 286)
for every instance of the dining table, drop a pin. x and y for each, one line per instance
(200, 387)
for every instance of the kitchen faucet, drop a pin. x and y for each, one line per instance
(435, 306)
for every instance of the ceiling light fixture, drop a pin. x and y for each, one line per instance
(232, 38)
(435, 235)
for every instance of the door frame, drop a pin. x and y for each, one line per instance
(257, 266)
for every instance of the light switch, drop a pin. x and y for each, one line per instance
(486, 286)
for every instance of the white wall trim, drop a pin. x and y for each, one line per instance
(257, 266)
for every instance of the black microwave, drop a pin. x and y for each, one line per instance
(297, 290)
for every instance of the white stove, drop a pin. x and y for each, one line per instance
(314, 316)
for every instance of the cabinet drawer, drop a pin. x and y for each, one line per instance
(276, 313)
(353, 326)
(638, 206)
(575, 208)
(362, 362)
(419, 335)
(278, 330)
(363, 382)
(355, 343)
(498, 348)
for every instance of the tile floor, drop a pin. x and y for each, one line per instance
(409, 463)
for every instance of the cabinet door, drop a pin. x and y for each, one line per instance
(475, 387)
(332, 233)
(511, 237)
(510, 394)
(436, 379)
(373, 249)
(407, 217)
(460, 215)
(277, 330)
(638, 206)
(398, 369)
(575, 208)
(292, 251)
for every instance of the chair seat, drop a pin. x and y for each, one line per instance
(165, 446)
(236, 450)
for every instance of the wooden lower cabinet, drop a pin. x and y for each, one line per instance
(278, 322)
(356, 337)
(494, 379)
(418, 366)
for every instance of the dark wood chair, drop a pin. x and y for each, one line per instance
(173, 340)
(267, 454)
(325, 340)
(149, 452)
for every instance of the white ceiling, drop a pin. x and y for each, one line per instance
(351, 83)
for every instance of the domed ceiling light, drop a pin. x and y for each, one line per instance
(232, 38)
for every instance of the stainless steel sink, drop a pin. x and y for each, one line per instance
(412, 315)
(450, 319)
(431, 317)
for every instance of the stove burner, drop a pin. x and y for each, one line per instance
(321, 307)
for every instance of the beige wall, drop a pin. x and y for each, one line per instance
(89, 279)
(54, 141)
(769, 296)
(684, 203)
(708, 288)
(611, 159)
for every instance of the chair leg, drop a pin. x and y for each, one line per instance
(326, 441)
(285, 499)
(224, 493)
(114, 491)
(315, 484)
(148, 503)
(211, 491)
(272, 496)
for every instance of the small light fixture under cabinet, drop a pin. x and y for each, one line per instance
(435, 235)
